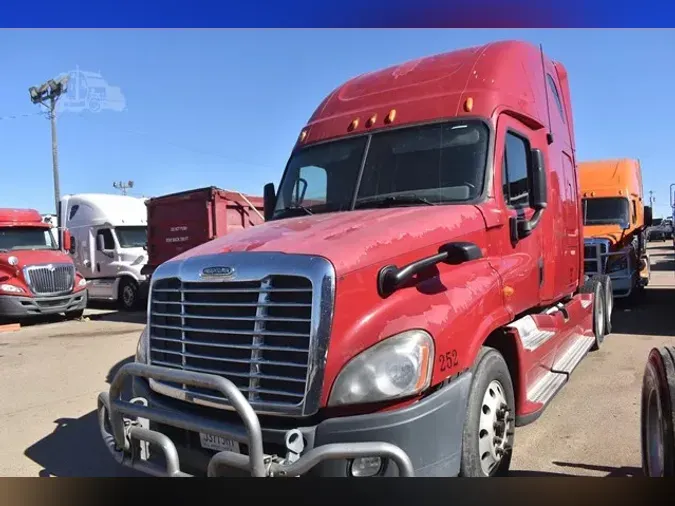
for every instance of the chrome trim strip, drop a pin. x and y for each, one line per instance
(255, 266)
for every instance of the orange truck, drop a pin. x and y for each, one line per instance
(615, 222)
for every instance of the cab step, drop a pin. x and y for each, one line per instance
(551, 383)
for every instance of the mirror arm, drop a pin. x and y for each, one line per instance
(525, 227)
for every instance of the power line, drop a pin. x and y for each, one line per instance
(17, 116)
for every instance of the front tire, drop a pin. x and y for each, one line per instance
(488, 436)
(128, 294)
(75, 315)
(657, 418)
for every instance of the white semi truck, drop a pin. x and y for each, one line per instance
(109, 241)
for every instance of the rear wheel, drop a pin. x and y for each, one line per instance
(658, 414)
(488, 436)
(597, 286)
(609, 304)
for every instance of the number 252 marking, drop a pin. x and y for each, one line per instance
(448, 360)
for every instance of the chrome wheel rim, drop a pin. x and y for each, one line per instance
(128, 295)
(654, 436)
(494, 426)
(600, 319)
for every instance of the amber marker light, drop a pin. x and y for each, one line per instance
(371, 121)
(303, 135)
(468, 104)
(391, 116)
(353, 125)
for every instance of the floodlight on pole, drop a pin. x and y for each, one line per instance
(47, 95)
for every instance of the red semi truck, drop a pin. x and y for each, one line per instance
(359, 332)
(36, 277)
(180, 221)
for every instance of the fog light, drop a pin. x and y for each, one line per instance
(366, 466)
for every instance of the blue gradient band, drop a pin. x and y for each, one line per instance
(345, 13)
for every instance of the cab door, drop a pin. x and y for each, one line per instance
(521, 264)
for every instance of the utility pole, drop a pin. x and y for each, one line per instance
(122, 186)
(47, 95)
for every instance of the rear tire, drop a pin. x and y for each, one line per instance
(609, 304)
(488, 436)
(128, 294)
(596, 285)
(657, 423)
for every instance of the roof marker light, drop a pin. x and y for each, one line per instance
(303, 135)
(468, 104)
(371, 121)
(353, 125)
(391, 116)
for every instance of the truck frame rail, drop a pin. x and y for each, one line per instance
(125, 437)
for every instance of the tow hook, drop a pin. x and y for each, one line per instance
(143, 423)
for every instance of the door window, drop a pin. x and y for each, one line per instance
(515, 174)
(108, 240)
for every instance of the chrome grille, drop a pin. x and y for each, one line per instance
(254, 333)
(51, 279)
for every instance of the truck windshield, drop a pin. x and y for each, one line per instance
(26, 238)
(606, 211)
(132, 237)
(441, 163)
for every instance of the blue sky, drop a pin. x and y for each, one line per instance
(224, 107)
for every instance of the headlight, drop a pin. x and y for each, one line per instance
(142, 347)
(11, 289)
(399, 366)
(13, 261)
(139, 260)
(618, 264)
(82, 282)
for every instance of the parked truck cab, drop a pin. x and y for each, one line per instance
(109, 240)
(615, 224)
(36, 277)
(416, 292)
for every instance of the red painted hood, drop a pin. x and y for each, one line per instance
(33, 257)
(354, 239)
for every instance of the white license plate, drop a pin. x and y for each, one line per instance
(218, 443)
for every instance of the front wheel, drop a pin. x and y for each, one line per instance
(658, 414)
(75, 315)
(488, 436)
(128, 294)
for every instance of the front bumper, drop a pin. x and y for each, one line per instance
(20, 307)
(423, 439)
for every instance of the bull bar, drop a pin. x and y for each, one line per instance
(600, 262)
(126, 437)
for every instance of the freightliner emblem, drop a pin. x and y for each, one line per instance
(217, 272)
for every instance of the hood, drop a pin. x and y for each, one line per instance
(131, 255)
(352, 239)
(33, 257)
(612, 233)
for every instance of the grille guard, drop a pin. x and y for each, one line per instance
(125, 437)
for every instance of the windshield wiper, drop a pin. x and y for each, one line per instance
(293, 210)
(392, 200)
